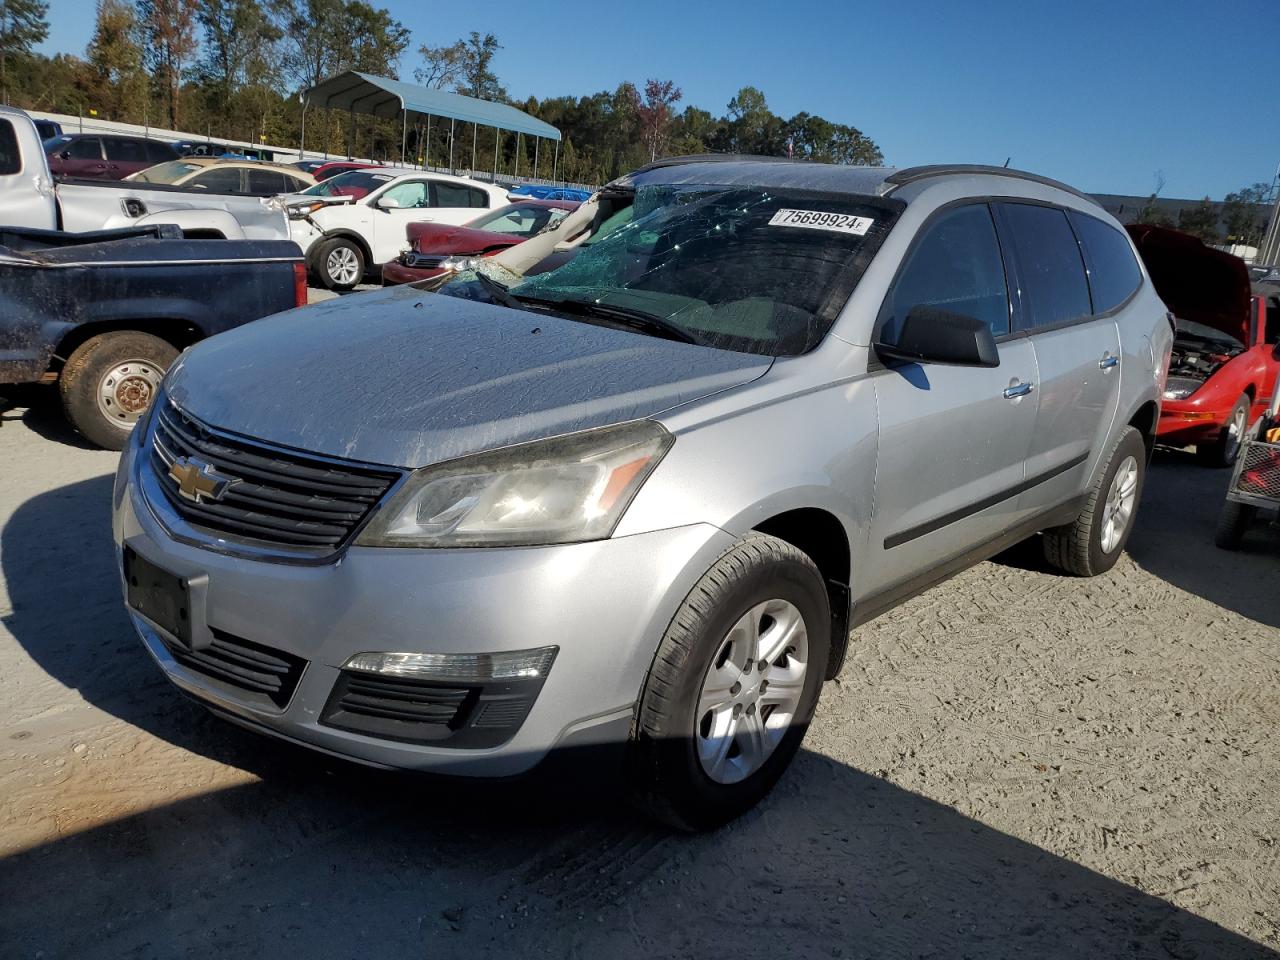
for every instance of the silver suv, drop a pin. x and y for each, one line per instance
(641, 500)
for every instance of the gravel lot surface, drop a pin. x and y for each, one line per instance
(1016, 764)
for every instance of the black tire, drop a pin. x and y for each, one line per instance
(1223, 451)
(1233, 522)
(665, 777)
(84, 379)
(1076, 548)
(342, 247)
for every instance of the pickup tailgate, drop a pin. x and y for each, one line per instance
(106, 204)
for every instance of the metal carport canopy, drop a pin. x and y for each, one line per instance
(380, 97)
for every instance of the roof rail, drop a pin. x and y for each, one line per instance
(912, 174)
(714, 158)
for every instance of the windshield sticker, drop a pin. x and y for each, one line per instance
(382, 176)
(817, 220)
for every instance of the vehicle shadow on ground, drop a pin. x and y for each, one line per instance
(38, 409)
(323, 859)
(836, 863)
(1173, 540)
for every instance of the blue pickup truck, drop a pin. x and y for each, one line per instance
(104, 314)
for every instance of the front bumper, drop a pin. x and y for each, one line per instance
(1184, 422)
(396, 272)
(605, 605)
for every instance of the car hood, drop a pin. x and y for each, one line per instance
(404, 378)
(435, 238)
(1196, 282)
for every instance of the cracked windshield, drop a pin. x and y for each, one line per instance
(748, 269)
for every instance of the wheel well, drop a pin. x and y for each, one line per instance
(1145, 421)
(820, 535)
(179, 333)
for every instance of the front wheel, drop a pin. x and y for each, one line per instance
(339, 264)
(110, 381)
(1223, 451)
(1093, 542)
(733, 686)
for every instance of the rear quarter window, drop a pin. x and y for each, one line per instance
(1050, 266)
(10, 156)
(1113, 271)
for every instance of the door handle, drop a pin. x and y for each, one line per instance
(1108, 361)
(1015, 390)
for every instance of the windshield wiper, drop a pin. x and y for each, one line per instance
(624, 316)
(498, 291)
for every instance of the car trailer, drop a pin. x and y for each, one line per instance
(1255, 484)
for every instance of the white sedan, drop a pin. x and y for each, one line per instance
(355, 222)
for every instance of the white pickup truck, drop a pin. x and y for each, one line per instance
(29, 197)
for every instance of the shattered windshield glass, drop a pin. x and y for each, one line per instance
(752, 269)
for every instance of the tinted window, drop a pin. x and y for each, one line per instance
(1049, 264)
(407, 196)
(266, 183)
(85, 148)
(126, 151)
(10, 158)
(956, 266)
(159, 152)
(218, 180)
(458, 195)
(1113, 271)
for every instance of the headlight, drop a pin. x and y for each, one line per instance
(1179, 388)
(563, 490)
(459, 264)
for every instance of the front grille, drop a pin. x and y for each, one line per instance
(1259, 473)
(259, 673)
(422, 261)
(274, 496)
(426, 711)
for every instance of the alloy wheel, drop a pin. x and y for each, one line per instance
(343, 266)
(1121, 499)
(752, 691)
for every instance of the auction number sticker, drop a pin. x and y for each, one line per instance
(817, 220)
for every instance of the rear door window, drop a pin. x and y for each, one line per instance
(458, 195)
(955, 266)
(126, 151)
(1113, 271)
(1050, 267)
(10, 157)
(159, 152)
(266, 183)
(218, 180)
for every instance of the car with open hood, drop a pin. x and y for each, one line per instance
(1226, 354)
(630, 508)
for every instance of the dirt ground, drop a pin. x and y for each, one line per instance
(1016, 764)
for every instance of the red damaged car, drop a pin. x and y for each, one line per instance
(433, 244)
(1225, 357)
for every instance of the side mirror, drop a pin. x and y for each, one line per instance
(65, 155)
(388, 203)
(931, 335)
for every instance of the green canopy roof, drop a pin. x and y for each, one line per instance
(380, 97)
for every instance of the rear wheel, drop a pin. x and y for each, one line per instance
(733, 686)
(1233, 523)
(339, 264)
(110, 381)
(1223, 451)
(1094, 541)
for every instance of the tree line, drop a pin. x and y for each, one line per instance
(231, 70)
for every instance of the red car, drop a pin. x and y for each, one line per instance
(334, 167)
(104, 156)
(434, 243)
(1225, 359)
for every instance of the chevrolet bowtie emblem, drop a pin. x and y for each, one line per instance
(197, 481)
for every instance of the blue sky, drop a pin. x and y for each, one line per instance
(1099, 94)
